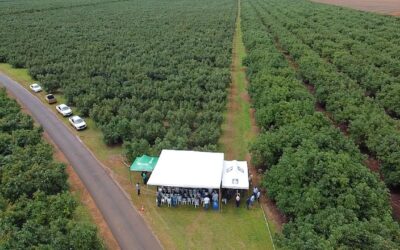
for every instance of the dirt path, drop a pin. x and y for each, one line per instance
(240, 128)
(391, 7)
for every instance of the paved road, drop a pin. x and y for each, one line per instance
(127, 226)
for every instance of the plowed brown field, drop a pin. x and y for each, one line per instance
(391, 7)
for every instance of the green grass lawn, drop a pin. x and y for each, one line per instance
(186, 227)
(242, 121)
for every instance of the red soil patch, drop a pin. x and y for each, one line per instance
(344, 128)
(318, 107)
(311, 88)
(395, 201)
(229, 131)
(254, 128)
(373, 164)
(390, 7)
(272, 211)
(286, 54)
(268, 205)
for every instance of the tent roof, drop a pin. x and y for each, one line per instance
(235, 175)
(191, 169)
(144, 163)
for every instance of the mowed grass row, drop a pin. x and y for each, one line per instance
(237, 131)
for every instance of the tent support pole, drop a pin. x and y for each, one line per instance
(219, 200)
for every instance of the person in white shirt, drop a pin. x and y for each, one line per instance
(138, 188)
(252, 199)
(206, 202)
(237, 200)
(255, 191)
(215, 196)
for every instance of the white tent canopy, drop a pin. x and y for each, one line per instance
(235, 175)
(188, 169)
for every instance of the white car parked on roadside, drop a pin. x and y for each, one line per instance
(35, 87)
(77, 122)
(64, 110)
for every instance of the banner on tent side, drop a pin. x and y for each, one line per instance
(235, 175)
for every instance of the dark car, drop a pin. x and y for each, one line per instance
(50, 98)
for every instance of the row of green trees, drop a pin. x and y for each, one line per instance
(146, 70)
(369, 126)
(369, 64)
(36, 209)
(314, 173)
(27, 6)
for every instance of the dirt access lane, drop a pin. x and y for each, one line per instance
(240, 128)
(391, 7)
(127, 226)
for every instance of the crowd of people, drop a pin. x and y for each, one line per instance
(250, 200)
(173, 196)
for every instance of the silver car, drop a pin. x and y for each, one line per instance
(35, 87)
(64, 110)
(77, 122)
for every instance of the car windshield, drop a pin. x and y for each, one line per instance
(78, 120)
(50, 97)
(35, 86)
(64, 108)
